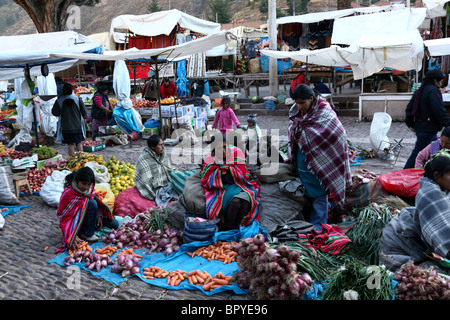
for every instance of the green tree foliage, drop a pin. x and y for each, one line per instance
(220, 9)
(153, 7)
(301, 7)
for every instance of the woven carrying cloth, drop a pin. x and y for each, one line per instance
(323, 140)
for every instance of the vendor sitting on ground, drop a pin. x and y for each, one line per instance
(152, 178)
(231, 193)
(442, 143)
(81, 210)
(414, 230)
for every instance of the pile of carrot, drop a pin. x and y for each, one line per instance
(175, 277)
(198, 277)
(83, 246)
(155, 272)
(108, 250)
(195, 277)
(218, 280)
(222, 251)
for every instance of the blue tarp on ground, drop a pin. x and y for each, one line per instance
(12, 209)
(179, 260)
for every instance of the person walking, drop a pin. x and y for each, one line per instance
(72, 112)
(426, 114)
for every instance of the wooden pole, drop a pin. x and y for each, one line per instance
(272, 27)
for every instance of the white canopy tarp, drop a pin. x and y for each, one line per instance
(158, 23)
(35, 50)
(331, 15)
(435, 8)
(438, 47)
(173, 53)
(105, 38)
(375, 48)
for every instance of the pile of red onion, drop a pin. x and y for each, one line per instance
(269, 273)
(92, 260)
(136, 234)
(417, 283)
(127, 265)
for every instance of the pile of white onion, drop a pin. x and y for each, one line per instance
(269, 273)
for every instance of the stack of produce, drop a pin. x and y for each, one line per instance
(79, 159)
(127, 263)
(44, 152)
(416, 283)
(90, 143)
(36, 179)
(366, 232)
(362, 176)
(57, 164)
(144, 103)
(19, 154)
(25, 146)
(355, 281)
(269, 273)
(149, 230)
(81, 89)
(169, 100)
(4, 151)
(8, 114)
(121, 173)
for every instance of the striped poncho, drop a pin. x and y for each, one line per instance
(323, 140)
(215, 188)
(72, 210)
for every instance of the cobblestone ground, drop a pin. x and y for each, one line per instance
(26, 274)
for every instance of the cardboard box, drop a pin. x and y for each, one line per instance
(189, 110)
(148, 132)
(98, 147)
(200, 122)
(180, 111)
(201, 112)
(25, 162)
(41, 163)
(165, 111)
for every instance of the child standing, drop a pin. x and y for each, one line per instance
(225, 117)
(81, 210)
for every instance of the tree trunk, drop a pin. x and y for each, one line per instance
(51, 15)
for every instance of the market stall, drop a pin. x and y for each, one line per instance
(373, 46)
(155, 56)
(27, 56)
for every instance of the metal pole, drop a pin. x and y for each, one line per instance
(273, 63)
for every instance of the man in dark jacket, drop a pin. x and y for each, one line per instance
(426, 114)
(71, 112)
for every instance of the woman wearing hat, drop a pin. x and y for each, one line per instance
(101, 109)
(426, 114)
(318, 149)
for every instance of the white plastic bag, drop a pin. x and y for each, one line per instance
(379, 128)
(53, 187)
(100, 171)
(2, 221)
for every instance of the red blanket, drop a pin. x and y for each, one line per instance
(72, 210)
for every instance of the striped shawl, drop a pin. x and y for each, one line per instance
(214, 187)
(72, 210)
(323, 140)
